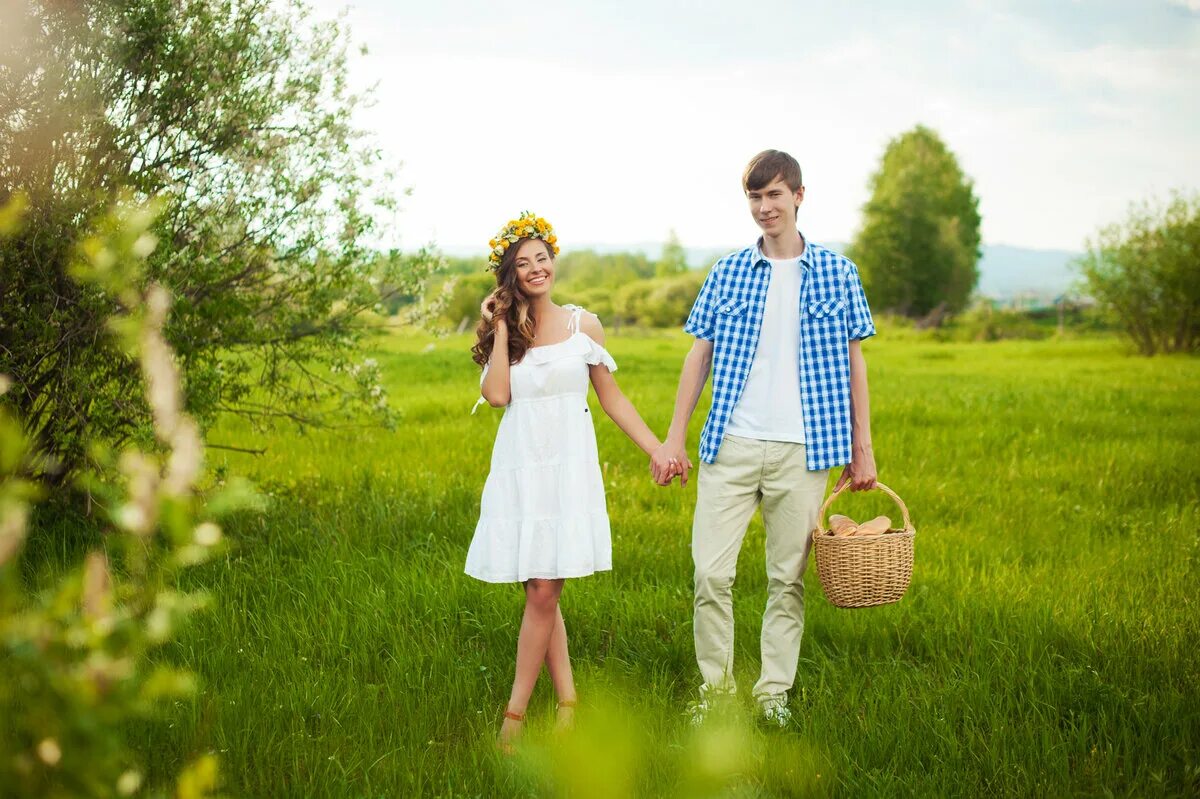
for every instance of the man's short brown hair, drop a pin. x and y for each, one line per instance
(768, 165)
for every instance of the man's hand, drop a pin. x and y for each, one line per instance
(860, 473)
(668, 462)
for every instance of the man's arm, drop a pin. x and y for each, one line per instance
(861, 471)
(692, 378)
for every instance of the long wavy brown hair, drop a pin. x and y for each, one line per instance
(513, 305)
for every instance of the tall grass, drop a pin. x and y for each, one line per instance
(1047, 646)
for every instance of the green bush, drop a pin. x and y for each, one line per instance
(1145, 272)
(79, 659)
(668, 300)
(586, 269)
(464, 294)
(596, 300)
(982, 322)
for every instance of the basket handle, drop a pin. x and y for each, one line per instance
(908, 525)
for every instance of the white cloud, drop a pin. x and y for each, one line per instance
(1122, 68)
(620, 150)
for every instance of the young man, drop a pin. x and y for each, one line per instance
(780, 325)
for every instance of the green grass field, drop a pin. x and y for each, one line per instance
(1047, 646)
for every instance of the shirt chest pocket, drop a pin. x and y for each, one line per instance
(826, 309)
(731, 314)
(730, 309)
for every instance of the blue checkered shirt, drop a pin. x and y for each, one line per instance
(833, 311)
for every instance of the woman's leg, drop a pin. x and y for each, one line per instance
(537, 626)
(558, 663)
(558, 660)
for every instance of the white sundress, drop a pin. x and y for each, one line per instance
(542, 514)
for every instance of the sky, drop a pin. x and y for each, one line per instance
(621, 121)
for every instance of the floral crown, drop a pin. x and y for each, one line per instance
(527, 226)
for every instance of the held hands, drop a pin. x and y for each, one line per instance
(668, 462)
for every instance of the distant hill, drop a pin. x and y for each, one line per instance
(1007, 271)
(1004, 272)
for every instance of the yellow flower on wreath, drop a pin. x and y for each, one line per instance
(527, 225)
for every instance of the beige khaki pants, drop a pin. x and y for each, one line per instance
(748, 472)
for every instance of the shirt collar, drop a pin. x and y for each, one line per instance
(761, 260)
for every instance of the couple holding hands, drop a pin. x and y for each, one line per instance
(778, 326)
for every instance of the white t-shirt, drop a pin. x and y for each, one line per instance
(769, 408)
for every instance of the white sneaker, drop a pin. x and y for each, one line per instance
(776, 714)
(699, 710)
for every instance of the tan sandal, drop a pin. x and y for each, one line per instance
(506, 743)
(565, 722)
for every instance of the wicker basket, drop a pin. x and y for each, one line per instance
(862, 571)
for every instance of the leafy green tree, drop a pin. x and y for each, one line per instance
(668, 300)
(458, 265)
(597, 300)
(1146, 272)
(407, 296)
(919, 242)
(628, 301)
(236, 114)
(674, 258)
(465, 296)
(584, 269)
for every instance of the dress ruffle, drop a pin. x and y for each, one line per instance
(516, 550)
(579, 344)
(597, 355)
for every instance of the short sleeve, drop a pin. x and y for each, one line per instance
(598, 356)
(701, 321)
(859, 323)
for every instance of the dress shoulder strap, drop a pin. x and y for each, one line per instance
(573, 322)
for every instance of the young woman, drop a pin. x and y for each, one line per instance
(542, 516)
